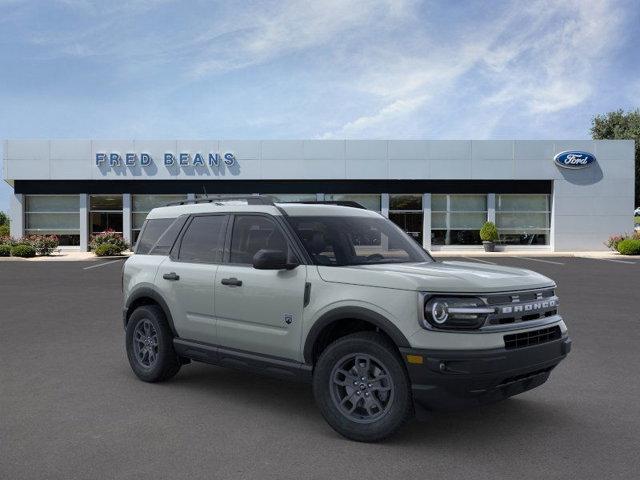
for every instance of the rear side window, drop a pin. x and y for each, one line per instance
(152, 231)
(168, 238)
(203, 241)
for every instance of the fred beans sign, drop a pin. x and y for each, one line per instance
(169, 159)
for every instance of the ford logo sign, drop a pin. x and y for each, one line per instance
(574, 159)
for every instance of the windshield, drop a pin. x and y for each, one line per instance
(340, 241)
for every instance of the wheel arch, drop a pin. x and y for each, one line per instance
(330, 320)
(147, 296)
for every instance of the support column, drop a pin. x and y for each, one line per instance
(426, 221)
(384, 205)
(126, 217)
(84, 222)
(491, 207)
(17, 215)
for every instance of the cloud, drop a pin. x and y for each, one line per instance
(542, 57)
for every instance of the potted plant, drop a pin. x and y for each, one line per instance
(489, 236)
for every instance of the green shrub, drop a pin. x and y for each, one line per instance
(108, 250)
(489, 232)
(108, 237)
(23, 250)
(5, 250)
(4, 231)
(44, 244)
(630, 246)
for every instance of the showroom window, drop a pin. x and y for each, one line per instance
(54, 215)
(106, 213)
(369, 201)
(406, 212)
(523, 219)
(141, 205)
(457, 219)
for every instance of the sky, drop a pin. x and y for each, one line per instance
(286, 69)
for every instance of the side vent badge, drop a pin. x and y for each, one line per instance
(287, 318)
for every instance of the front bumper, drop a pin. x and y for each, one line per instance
(453, 379)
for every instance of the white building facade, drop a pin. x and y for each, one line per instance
(549, 195)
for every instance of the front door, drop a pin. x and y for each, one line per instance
(259, 310)
(186, 279)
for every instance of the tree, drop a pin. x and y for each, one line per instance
(620, 125)
(4, 218)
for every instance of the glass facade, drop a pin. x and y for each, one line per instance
(406, 212)
(523, 219)
(53, 215)
(457, 219)
(370, 201)
(141, 205)
(105, 213)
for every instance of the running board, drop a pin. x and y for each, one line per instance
(241, 360)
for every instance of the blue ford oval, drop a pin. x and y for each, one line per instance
(574, 159)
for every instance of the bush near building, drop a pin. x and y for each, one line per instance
(625, 244)
(44, 244)
(114, 243)
(629, 246)
(5, 250)
(23, 250)
(489, 232)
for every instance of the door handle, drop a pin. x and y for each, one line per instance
(171, 276)
(232, 282)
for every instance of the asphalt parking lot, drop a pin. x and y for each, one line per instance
(71, 408)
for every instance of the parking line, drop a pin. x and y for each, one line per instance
(478, 260)
(612, 260)
(102, 264)
(540, 260)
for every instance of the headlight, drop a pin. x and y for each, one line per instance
(455, 312)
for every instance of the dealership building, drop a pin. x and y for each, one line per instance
(545, 195)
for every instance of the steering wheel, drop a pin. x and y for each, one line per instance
(375, 256)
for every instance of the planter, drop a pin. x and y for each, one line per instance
(489, 246)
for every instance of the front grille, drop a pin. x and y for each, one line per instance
(522, 306)
(534, 337)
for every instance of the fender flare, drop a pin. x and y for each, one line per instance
(357, 313)
(148, 292)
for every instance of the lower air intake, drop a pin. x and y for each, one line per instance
(534, 337)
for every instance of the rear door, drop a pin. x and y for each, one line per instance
(259, 311)
(186, 278)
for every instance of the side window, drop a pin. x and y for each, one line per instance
(151, 232)
(203, 241)
(168, 238)
(252, 233)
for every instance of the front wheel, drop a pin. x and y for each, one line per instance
(150, 345)
(362, 388)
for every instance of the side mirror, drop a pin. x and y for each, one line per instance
(272, 260)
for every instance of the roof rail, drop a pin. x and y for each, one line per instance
(250, 199)
(341, 203)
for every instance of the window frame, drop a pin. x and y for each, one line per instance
(174, 254)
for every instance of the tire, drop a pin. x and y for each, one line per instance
(384, 403)
(152, 357)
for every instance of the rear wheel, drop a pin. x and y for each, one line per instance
(362, 388)
(150, 345)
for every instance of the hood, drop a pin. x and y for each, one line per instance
(445, 277)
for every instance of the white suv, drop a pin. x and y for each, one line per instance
(338, 296)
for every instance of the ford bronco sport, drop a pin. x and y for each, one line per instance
(338, 296)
